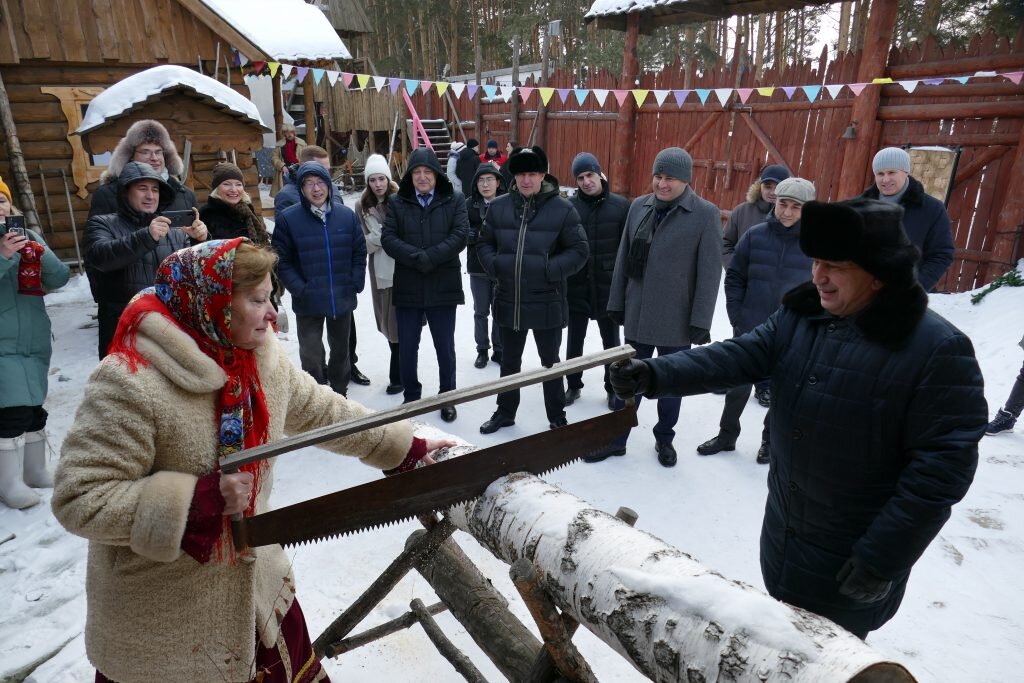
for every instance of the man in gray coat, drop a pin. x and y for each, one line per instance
(666, 278)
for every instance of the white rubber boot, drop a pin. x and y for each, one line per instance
(13, 492)
(36, 472)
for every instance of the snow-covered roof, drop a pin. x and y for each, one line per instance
(127, 94)
(287, 30)
(655, 13)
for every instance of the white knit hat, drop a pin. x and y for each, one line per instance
(377, 165)
(891, 157)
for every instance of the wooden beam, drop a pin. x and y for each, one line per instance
(377, 632)
(962, 65)
(957, 90)
(979, 162)
(625, 130)
(953, 110)
(1006, 247)
(21, 181)
(226, 30)
(708, 123)
(765, 140)
(447, 649)
(962, 139)
(309, 102)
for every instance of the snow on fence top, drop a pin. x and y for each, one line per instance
(139, 88)
(602, 8)
(284, 29)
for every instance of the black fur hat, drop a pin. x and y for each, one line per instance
(528, 160)
(866, 231)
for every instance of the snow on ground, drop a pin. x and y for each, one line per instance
(962, 618)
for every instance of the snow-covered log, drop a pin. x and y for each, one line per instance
(673, 618)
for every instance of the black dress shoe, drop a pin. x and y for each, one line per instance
(666, 454)
(605, 454)
(394, 389)
(481, 360)
(571, 395)
(558, 422)
(448, 413)
(359, 378)
(763, 457)
(716, 445)
(764, 397)
(497, 421)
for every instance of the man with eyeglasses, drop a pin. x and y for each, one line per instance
(424, 231)
(323, 265)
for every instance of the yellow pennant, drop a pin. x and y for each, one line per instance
(363, 79)
(640, 95)
(882, 80)
(273, 68)
(441, 86)
(545, 94)
(765, 92)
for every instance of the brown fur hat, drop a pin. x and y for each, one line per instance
(143, 132)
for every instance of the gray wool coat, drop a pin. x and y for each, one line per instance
(679, 286)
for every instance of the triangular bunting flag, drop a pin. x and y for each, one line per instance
(789, 90)
(600, 95)
(300, 72)
(441, 86)
(362, 80)
(318, 75)
(425, 86)
(332, 77)
(909, 86)
(834, 90)
(472, 88)
(765, 92)
(960, 79)
(563, 93)
(490, 91)
(394, 84)
(881, 81)
(933, 81)
(379, 83)
(411, 86)
(525, 93)
(1014, 76)
(703, 93)
(346, 78)
(723, 94)
(857, 88)
(458, 89)
(744, 94)
(286, 70)
(257, 67)
(620, 96)
(660, 96)
(546, 94)
(985, 74)
(811, 91)
(640, 94)
(273, 69)
(680, 96)
(581, 95)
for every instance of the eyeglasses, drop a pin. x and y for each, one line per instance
(150, 153)
(313, 184)
(487, 179)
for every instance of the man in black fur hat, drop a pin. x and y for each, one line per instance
(877, 410)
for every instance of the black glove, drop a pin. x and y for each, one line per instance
(698, 335)
(629, 378)
(423, 263)
(617, 317)
(861, 585)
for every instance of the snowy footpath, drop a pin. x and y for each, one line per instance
(962, 618)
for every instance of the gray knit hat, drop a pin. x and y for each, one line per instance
(585, 161)
(797, 189)
(675, 162)
(891, 157)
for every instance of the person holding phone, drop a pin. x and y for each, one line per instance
(125, 248)
(28, 270)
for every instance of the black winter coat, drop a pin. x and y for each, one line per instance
(766, 264)
(530, 246)
(225, 221)
(104, 199)
(929, 229)
(603, 218)
(477, 214)
(875, 424)
(465, 169)
(425, 243)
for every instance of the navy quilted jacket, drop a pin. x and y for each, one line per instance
(323, 262)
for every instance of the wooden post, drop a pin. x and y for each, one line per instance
(377, 632)
(309, 101)
(444, 646)
(480, 608)
(541, 122)
(278, 104)
(878, 38)
(514, 113)
(22, 184)
(1010, 223)
(477, 114)
(625, 130)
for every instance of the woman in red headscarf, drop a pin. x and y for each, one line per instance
(195, 374)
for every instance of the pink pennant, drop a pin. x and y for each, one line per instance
(525, 93)
(744, 93)
(620, 95)
(425, 86)
(1014, 76)
(857, 87)
(346, 77)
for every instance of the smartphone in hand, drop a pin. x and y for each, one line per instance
(180, 219)
(15, 224)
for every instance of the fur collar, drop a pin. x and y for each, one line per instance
(889, 320)
(914, 196)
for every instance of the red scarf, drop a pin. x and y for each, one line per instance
(30, 269)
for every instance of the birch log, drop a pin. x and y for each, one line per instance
(673, 618)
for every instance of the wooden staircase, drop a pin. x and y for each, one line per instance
(438, 134)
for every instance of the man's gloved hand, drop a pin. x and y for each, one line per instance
(423, 263)
(629, 378)
(858, 583)
(617, 317)
(698, 335)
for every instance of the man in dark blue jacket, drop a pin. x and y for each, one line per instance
(878, 406)
(323, 265)
(424, 231)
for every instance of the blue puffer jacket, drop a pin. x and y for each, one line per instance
(323, 262)
(875, 424)
(766, 264)
(25, 331)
